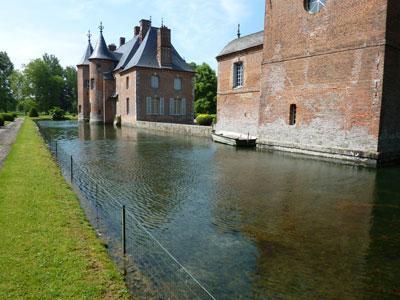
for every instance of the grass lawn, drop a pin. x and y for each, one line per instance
(47, 248)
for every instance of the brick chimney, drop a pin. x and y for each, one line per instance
(144, 28)
(136, 31)
(112, 47)
(121, 41)
(164, 47)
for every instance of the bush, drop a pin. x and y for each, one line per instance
(8, 117)
(57, 114)
(14, 115)
(26, 106)
(204, 120)
(33, 113)
(1, 120)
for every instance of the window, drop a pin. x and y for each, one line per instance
(177, 107)
(238, 75)
(293, 112)
(87, 84)
(154, 106)
(80, 108)
(127, 106)
(155, 81)
(314, 6)
(127, 82)
(178, 84)
(92, 82)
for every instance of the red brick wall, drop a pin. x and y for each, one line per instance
(237, 108)
(125, 93)
(165, 90)
(83, 92)
(330, 65)
(96, 95)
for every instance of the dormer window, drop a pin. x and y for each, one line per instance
(155, 81)
(314, 6)
(238, 75)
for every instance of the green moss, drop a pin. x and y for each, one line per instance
(48, 249)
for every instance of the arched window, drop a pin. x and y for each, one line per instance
(314, 6)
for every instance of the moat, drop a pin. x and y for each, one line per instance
(250, 224)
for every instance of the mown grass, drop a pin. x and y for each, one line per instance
(47, 248)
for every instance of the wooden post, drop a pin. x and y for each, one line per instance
(56, 150)
(123, 229)
(72, 170)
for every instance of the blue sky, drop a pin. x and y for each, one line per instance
(200, 28)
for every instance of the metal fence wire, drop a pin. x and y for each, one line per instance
(151, 271)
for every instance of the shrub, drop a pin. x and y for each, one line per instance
(26, 105)
(57, 114)
(1, 120)
(204, 120)
(8, 117)
(14, 114)
(33, 113)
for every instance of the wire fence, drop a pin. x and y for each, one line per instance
(151, 271)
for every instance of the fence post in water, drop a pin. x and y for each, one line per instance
(56, 150)
(123, 229)
(72, 169)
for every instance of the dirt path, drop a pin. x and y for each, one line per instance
(7, 138)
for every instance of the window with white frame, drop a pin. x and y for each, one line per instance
(155, 81)
(154, 106)
(178, 84)
(238, 74)
(177, 107)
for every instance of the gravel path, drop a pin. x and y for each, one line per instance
(7, 138)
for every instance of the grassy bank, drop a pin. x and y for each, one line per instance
(47, 248)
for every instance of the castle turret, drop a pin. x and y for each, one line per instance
(102, 63)
(83, 83)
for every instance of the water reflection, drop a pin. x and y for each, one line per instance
(250, 224)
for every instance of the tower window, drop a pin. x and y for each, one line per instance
(155, 81)
(80, 108)
(314, 6)
(127, 106)
(127, 82)
(92, 83)
(238, 74)
(293, 112)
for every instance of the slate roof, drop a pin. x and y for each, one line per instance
(137, 53)
(243, 43)
(86, 55)
(144, 54)
(101, 51)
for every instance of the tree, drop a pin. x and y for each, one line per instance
(205, 89)
(7, 101)
(45, 81)
(70, 100)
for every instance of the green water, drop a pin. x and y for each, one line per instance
(250, 224)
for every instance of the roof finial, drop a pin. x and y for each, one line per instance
(150, 18)
(89, 35)
(101, 27)
(238, 33)
(162, 22)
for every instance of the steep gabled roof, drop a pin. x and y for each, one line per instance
(85, 58)
(101, 51)
(126, 52)
(243, 43)
(146, 55)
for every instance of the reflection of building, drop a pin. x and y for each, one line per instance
(328, 77)
(145, 79)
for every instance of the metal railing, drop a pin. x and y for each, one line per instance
(151, 271)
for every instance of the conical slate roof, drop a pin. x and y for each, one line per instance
(101, 51)
(88, 53)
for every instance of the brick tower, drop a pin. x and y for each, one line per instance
(101, 64)
(83, 83)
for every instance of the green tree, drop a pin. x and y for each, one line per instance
(205, 89)
(70, 100)
(7, 102)
(45, 81)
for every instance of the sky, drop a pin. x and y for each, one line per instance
(200, 28)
